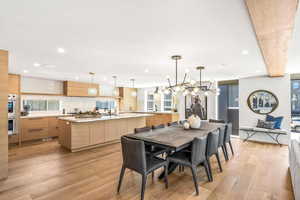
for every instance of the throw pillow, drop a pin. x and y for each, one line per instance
(276, 120)
(264, 124)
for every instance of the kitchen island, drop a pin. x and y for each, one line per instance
(77, 134)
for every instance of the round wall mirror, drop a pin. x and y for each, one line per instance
(262, 102)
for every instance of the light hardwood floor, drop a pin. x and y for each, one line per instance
(46, 171)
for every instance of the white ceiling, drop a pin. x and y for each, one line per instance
(125, 38)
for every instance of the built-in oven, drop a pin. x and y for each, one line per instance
(11, 126)
(12, 99)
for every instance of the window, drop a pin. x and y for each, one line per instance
(233, 96)
(105, 104)
(150, 102)
(167, 102)
(295, 98)
(42, 105)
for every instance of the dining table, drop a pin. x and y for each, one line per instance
(175, 138)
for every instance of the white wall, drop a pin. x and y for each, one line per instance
(281, 88)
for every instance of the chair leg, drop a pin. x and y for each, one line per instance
(226, 150)
(166, 176)
(121, 178)
(210, 171)
(230, 144)
(152, 175)
(194, 172)
(225, 154)
(219, 162)
(144, 180)
(207, 171)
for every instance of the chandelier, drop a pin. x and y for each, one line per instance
(192, 87)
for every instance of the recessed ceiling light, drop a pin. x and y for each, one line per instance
(25, 71)
(245, 52)
(61, 50)
(76, 77)
(36, 64)
(146, 70)
(104, 78)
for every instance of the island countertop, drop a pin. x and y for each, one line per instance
(103, 118)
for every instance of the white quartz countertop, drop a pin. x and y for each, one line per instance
(121, 116)
(38, 115)
(152, 112)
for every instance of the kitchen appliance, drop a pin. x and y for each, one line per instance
(12, 105)
(11, 126)
(12, 114)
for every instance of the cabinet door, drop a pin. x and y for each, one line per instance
(80, 135)
(111, 130)
(53, 127)
(13, 84)
(123, 127)
(97, 132)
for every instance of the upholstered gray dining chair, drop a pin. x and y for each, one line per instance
(212, 149)
(227, 139)
(173, 124)
(192, 158)
(134, 158)
(158, 126)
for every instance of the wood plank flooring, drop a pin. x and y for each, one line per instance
(45, 171)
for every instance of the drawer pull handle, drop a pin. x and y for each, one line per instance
(35, 130)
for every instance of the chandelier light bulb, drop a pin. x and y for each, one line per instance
(167, 91)
(177, 88)
(206, 93)
(193, 93)
(196, 90)
(186, 92)
(193, 82)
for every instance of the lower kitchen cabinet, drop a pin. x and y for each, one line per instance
(39, 128)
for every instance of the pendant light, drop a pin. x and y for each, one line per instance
(92, 91)
(133, 93)
(115, 91)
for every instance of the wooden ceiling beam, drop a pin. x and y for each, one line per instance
(273, 23)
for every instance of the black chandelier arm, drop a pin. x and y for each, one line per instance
(184, 78)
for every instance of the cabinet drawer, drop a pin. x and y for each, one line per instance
(34, 123)
(34, 133)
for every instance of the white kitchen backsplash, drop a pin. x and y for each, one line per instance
(69, 103)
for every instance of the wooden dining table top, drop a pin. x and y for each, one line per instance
(175, 136)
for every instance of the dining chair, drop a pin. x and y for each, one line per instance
(158, 126)
(151, 150)
(192, 159)
(216, 121)
(221, 143)
(227, 139)
(212, 149)
(173, 123)
(134, 158)
(181, 122)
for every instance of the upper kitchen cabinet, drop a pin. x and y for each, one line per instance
(13, 84)
(128, 101)
(78, 89)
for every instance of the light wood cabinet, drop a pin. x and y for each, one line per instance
(161, 118)
(96, 134)
(39, 128)
(78, 89)
(79, 136)
(53, 127)
(127, 101)
(13, 84)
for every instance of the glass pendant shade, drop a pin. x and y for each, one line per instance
(92, 91)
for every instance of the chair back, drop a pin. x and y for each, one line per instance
(158, 126)
(173, 124)
(212, 143)
(182, 121)
(216, 121)
(198, 150)
(141, 130)
(134, 155)
(222, 136)
(228, 132)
